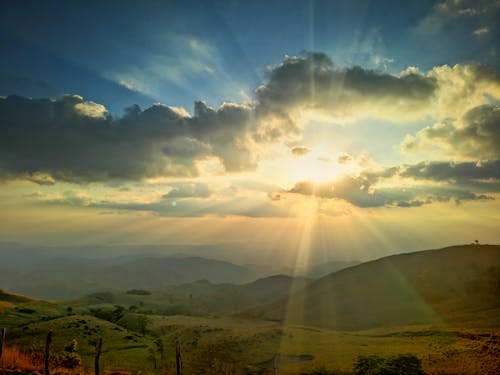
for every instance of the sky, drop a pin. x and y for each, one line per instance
(294, 132)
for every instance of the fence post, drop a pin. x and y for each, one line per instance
(97, 354)
(178, 358)
(2, 339)
(276, 363)
(47, 352)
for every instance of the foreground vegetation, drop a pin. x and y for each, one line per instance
(218, 345)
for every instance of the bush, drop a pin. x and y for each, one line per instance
(112, 316)
(139, 292)
(69, 358)
(403, 364)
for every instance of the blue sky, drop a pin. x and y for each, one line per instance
(179, 52)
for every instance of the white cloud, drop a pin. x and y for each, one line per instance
(481, 31)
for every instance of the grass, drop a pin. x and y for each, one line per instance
(17, 360)
(246, 345)
(16, 314)
(120, 347)
(229, 345)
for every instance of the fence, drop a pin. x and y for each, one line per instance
(99, 344)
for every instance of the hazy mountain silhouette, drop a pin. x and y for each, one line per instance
(70, 272)
(70, 278)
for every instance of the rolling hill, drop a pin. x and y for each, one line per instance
(70, 278)
(197, 298)
(455, 285)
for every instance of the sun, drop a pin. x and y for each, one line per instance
(313, 167)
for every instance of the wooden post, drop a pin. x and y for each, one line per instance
(97, 354)
(2, 339)
(178, 358)
(276, 363)
(47, 352)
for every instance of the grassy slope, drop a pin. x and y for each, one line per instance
(249, 345)
(28, 322)
(118, 343)
(453, 285)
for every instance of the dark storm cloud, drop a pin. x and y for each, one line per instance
(314, 82)
(70, 139)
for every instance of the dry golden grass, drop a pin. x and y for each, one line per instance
(14, 358)
(479, 354)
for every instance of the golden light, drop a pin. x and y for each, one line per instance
(313, 167)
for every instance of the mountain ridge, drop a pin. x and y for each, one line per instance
(430, 286)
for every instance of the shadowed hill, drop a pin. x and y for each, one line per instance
(275, 286)
(453, 285)
(11, 297)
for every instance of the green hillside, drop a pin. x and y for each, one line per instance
(197, 298)
(456, 285)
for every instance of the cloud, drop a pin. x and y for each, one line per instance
(188, 190)
(70, 139)
(462, 88)
(357, 192)
(465, 12)
(189, 200)
(452, 172)
(228, 130)
(313, 82)
(482, 31)
(300, 150)
(457, 181)
(475, 136)
(344, 158)
(466, 8)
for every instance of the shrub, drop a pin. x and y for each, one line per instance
(403, 364)
(138, 292)
(69, 357)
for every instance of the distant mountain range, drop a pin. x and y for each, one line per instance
(454, 285)
(66, 279)
(55, 273)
